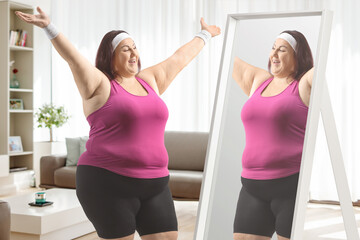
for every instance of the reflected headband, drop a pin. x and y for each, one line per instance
(121, 36)
(290, 39)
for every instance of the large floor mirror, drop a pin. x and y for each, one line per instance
(251, 38)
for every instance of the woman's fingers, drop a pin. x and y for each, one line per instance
(202, 22)
(40, 10)
(213, 29)
(22, 16)
(40, 20)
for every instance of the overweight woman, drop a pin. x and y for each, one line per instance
(274, 119)
(122, 178)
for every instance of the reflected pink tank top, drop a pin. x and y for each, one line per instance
(127, 134)
(275, 130)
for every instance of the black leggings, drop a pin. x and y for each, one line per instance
(118, 205)
(266, 206)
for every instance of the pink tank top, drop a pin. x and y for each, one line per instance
(275, 130)
(127, 134)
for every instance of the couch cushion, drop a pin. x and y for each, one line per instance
(83, 141)
(73, 151)
(75, 147)
(185, 184)
(48, 166)
(65, 177)
(186, 150)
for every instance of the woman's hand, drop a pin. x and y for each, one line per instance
(212, 29)
(40, 20)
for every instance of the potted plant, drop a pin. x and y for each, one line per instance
(49, 116)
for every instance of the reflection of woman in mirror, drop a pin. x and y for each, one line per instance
(274, 119)
(122, 178)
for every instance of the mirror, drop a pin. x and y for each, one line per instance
(249, 37)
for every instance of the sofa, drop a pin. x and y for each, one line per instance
(4, 220)
(187, 153)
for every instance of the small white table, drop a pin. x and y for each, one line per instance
(64, 219)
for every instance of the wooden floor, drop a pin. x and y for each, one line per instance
(323, 221)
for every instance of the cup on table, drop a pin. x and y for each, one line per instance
(40, 197)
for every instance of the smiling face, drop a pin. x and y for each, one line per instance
(282, 59)
(126, 58)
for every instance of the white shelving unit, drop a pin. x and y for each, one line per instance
(16, 122)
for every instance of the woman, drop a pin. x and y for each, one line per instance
(274, 118)
(122, 178)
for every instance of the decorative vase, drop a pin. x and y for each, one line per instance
(14, 83)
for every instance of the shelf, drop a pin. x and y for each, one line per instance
(18, 169)
(27, 171)
(20, 111)
(18, 6)
(19, 48)
(20, 90)
(20, 153)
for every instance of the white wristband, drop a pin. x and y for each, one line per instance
(51, 31)
(204, 35)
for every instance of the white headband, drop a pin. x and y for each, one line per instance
(290, 39)
(121, 36)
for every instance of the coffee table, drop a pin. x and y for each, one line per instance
(62, 220)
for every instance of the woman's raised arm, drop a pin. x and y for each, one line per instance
(164, 73)
(247, 76)
(87, 77)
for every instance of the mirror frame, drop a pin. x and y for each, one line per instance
(215, 136)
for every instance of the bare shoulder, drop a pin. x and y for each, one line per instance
(261, 76)
(99, 98)
(148, 76)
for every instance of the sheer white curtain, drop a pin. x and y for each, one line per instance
(161, 26)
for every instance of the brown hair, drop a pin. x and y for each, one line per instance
(303, 56)
(104, 56)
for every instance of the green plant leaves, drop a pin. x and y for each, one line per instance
(50, 115)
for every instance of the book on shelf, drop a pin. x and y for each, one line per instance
(18, 37)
